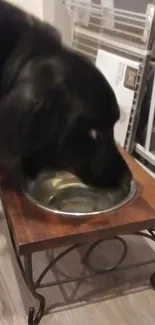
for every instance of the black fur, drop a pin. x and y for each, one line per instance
(50, 99)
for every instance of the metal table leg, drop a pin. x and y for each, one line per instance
(32, 319)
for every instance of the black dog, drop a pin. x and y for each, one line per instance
(56, 109)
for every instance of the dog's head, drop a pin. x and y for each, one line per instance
(61, 113)
(73, 120)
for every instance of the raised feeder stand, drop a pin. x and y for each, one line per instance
(33, 229)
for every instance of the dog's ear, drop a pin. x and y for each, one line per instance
(16, 113)
(33, 111)
(52, 101)
(48, 76)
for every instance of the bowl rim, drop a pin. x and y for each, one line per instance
(126, 200)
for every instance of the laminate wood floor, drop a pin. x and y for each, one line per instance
(122, 298)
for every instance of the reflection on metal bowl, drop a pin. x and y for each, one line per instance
(64, 193)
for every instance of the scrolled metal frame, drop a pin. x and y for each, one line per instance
(26, 269)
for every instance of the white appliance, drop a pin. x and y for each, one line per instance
(121, 74)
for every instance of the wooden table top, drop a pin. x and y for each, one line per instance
(35, 229)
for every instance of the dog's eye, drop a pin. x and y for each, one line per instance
(95, 134)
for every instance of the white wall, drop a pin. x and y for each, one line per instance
(51, 11)
(134, 5)
(35, 7)
(55, 13)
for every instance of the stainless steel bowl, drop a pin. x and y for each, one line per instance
(65, 194)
